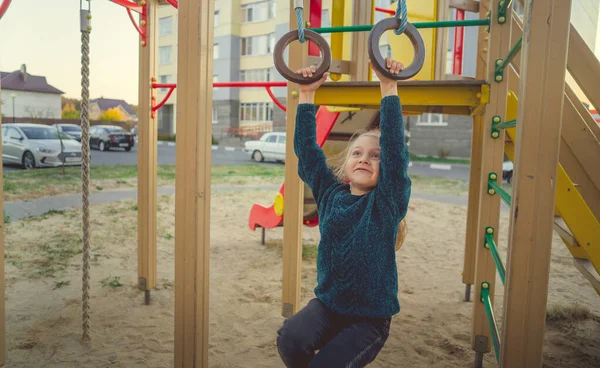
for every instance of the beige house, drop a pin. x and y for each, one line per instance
(100, 105)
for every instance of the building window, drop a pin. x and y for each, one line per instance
(215, 51)
(258, 11)
(325, 19)
(217, 19)
(258, 45)
(432, 120)
(256, 112)
(165, 55)
(215, 115)
(163, 79)
(165, 26)
(257, 75)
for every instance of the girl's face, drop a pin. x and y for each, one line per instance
(362, 167)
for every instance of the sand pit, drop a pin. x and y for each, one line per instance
(43, 292)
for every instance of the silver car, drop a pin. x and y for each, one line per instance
(37, 145)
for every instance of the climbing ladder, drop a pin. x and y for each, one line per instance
(530, 135)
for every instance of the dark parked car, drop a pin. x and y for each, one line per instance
(104, 137)
(70, 129)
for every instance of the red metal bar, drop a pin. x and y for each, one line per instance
(459, 41)
(174, 3)
(316, 9)
(170, 86)
(4, 7)
(129, 5)
(384, 10)
(266, 85)
(135, 25)
(275, 100)
(250, 84)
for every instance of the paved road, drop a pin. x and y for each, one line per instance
(235, 156)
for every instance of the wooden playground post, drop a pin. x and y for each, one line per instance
(441, 36)
(360, 69)
(147, 179)
(2, 302)
(492, 154)
(294, 187)
(543, 69)
(192, 181)
(468, 274)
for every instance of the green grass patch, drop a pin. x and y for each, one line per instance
(439, 160)
(113, 282)
(31, 184)
(438, 185)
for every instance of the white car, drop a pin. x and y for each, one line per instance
(271, 147)
(37, 145)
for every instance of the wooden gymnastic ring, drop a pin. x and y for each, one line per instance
(377, 59)
(292, 76)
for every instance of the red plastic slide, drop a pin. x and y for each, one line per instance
(266, 216)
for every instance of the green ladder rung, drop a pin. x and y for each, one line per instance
(505, 125)
(494, 187)
(491, 245)
(489, 311)
(418, 25)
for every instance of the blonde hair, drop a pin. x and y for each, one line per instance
(339, 161)
(338, 165)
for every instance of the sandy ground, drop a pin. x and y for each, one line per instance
(43, 292)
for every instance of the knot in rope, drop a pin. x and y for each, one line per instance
(402, 14)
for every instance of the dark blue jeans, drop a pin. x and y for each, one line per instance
(341, 341)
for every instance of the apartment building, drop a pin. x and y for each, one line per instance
(245, 33)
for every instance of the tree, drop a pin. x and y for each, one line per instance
(69, 112)
(113, 114)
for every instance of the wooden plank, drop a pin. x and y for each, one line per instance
(544, 58)
(294, 187)
(360, 69)
(588, 271)
(441, 40)
(492, 158)
(577, 135)
(2, 291)
(465, 96)
(563, 231)
(468, 5)
(147, 147)
(192, 184)
(591, 123)
(583, 65)
(468, 274)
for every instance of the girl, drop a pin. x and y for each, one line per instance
(359, 211)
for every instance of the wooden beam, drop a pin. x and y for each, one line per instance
(462, 97)
(583, 64)
(192, 184)
(583, 111)
(147, 161)
(337, 66)
(578, 136)
(362, 13)
(468, 274)
(2, 291)
(468, 5)
(498, 45)
(441, 40)
(294, 187)
(543, 70)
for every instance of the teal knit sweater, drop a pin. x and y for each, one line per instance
(356, 260)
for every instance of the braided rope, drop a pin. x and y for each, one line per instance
(402, 14)
(299, 17)
(85, 180)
